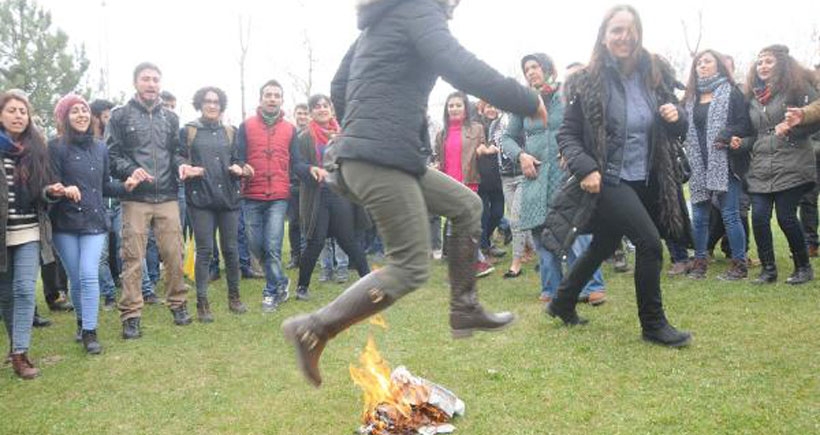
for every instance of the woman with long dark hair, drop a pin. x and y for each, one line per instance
(458, 145)
(616, 138)
(718, 112)
(323, 213)
(80, 163)
(24, 225)
(782, 167)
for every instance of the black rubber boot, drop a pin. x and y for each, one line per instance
(466, 313)
(309, 333)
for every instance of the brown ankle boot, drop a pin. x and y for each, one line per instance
(203, 310)
(466, 313)
(698, 268)
(23, 366)
(235, 305)
(737, 271)
(309, 333)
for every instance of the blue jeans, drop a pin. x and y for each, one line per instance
(332, 252)
(152, 257)
(17, 293)
(677, 252)
(244, 252)
(729, 204)
(80, 254)
(552, 271)
(265, 230)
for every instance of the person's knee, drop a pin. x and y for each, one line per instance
(407, 276)
(469, 218)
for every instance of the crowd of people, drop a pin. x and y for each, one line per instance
(571, 172)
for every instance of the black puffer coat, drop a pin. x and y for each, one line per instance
(381, 88)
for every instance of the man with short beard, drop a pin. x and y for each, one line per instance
(143, 143)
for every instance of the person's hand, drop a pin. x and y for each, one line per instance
(794, 116)
(131, 183)
(318, 174)
(492, 150)
(56, 190)
(529, 165)
(541, 113)
(592, 182)
(141, 175)
(72, 193)
(235, 170)
(735, 142)
(248, 171)
(669, 113)
(188, 171)
(782, 129)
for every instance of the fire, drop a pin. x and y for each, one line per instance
(394, 404)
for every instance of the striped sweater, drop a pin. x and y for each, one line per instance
(22, 225)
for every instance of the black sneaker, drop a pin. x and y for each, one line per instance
(302, 293)
(39, 321)
(109, 304)
(131, 328)
(283, 294)
(181, 316)
(90, 343)
(569, 318)
(667, 335)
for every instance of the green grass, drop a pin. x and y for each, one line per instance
(753, 367)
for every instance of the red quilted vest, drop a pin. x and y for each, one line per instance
(268, 151)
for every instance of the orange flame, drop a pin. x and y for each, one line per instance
(391, 407)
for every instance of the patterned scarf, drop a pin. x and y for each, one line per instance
(763, 94)
(713, 177)
(708, 85)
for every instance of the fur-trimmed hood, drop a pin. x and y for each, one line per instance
(370, 11)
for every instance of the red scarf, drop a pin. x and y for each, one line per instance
(764, 94)
(322, 135)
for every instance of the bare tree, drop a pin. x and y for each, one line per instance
(244, 41)
(693, 50)
(304, 83)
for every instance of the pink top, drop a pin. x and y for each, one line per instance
(452, 151)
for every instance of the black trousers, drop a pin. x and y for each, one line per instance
(785, 202)
(294, 232)
(54, 280)
(334, 218)
(205, 222)
(808, 211)
(628, 209)
(493, 202)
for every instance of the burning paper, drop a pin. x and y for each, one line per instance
(400, 403)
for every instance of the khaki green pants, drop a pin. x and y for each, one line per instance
(136, 216)
(399, 204)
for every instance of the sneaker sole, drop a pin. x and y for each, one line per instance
(484, 273)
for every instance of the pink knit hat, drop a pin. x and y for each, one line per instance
(65, 104)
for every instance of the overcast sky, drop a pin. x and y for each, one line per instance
(197, 43)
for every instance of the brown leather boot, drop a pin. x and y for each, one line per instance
(737, 271)
(698, 268)
(23, 366)
(466, 313)
(309, 333)
(235, 305)
(203, 310)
